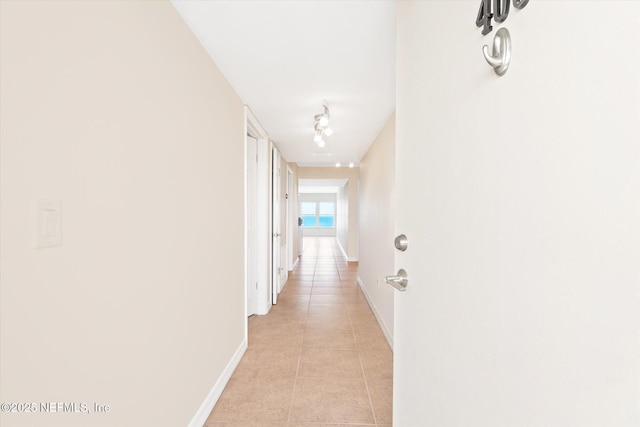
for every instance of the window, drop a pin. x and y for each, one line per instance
(318, 214)
(327, 214)
(308, 213)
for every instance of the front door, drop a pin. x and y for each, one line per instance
(520, 198)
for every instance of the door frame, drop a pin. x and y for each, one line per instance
(276, 216)
(253, 127)
(251, 220)
(290, 216)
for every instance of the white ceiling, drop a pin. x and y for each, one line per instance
(320, 185)
(284, 57)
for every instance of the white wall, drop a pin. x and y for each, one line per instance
(377, 208)
(524, 256)
(115, 109)
(352, 175)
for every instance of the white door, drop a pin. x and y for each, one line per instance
(290, 220)
(252, 226)
(520, 198)
(275, 224)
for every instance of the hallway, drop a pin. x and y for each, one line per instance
(317, 359)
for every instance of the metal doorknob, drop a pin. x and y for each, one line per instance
(400, 281)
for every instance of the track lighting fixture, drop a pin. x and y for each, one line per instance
(321, 125)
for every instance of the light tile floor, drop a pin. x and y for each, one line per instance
(318, 359)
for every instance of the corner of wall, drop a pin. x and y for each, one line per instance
(388, 333)
(210, 401)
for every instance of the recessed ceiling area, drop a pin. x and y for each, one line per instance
(320, 185)
(284, 58)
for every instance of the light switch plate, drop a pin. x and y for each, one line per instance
(49, 223)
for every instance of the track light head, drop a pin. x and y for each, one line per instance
(318, 136)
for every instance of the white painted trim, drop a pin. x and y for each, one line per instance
(289, 221)
(385, 330)
(276, 250)
(252, 126)
(210, 401)
(350, 259)
(342, 249)
(246, 218)
(295, 263)
(264, 227)
(284, 272)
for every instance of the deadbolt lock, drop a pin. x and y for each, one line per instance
(401, 242)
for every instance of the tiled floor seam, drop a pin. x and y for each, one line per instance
(364, 374)
(295, 381)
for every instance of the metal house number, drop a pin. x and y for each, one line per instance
(499, 13)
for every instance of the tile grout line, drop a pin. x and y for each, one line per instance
(304, 333)
(295, 382)
(358, 349)
(349, 312)
(364, 374)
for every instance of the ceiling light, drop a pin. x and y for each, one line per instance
(321, 125)
(351, 164)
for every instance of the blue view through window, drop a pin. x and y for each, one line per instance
(309, 221)
(318, 214)
(327, 221)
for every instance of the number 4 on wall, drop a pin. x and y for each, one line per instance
(500, 12)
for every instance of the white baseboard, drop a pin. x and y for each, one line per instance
(352, 259)
(385, 330)
(342, 249)
(293, 267)
(210, 401)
